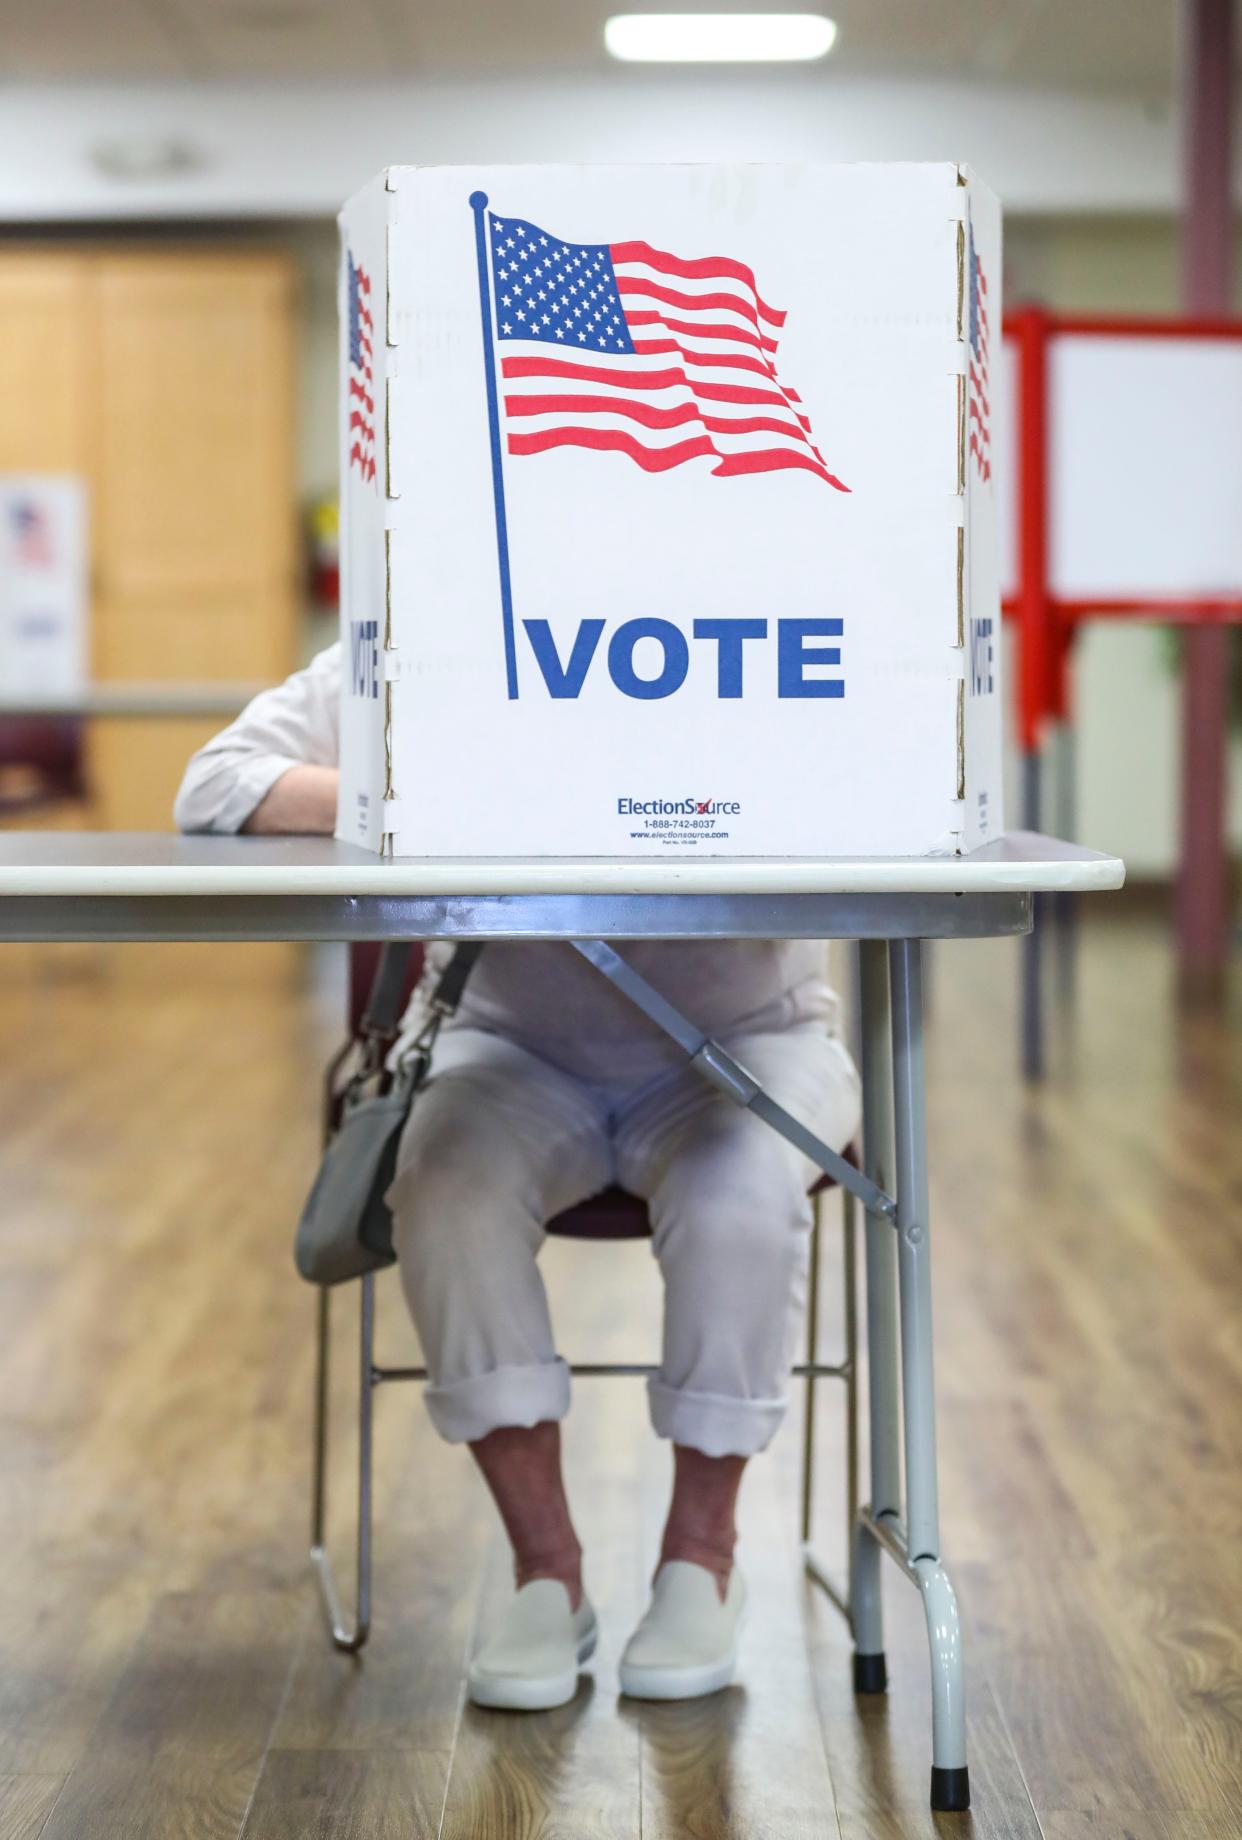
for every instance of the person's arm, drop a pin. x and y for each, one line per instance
(275, 767)
(302, 800)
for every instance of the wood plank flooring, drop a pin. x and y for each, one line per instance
(163, 1671)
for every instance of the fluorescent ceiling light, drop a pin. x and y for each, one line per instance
(718, 38)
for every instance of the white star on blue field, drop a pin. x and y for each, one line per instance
(562, 294)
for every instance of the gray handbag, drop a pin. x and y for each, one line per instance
(346, 1227)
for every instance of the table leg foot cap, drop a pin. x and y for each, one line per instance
(870, 1674)
(950, 1790)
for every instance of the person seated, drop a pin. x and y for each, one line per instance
(546, 1087)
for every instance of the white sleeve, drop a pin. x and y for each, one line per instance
(297, 724)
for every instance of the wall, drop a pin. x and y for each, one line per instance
(297, 149)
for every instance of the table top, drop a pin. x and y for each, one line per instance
(74, 864)
(59, 885)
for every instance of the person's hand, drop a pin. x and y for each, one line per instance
(302, 802)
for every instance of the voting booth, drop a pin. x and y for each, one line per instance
(669, 521)
(1120, 449)
(1120, 442)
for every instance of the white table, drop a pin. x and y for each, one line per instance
(65, 886)
(146, 886)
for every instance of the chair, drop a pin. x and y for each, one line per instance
(611, 1215)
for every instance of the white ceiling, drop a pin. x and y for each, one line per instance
(1118, 46)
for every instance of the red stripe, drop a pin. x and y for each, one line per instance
(356, 389)
(774, 459)
(591, 373)
(651, 459)
(977, 415)
(979, 387)
(641, 318)
(517, 368)
(741, 361)
(648, 414)
(704, 268)
(739, 393)
(358, 420)
(660, 459)
(985, 464)
(720, 303)
(364, 280)
(365, 317)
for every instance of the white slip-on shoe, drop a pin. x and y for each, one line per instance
(686, 1644)
(530, 1663)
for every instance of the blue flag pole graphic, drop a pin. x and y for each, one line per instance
(478, 204)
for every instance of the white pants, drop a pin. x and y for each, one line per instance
(501, 1140)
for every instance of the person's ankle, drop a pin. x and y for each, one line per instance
(710, 1555)
(566, 1568)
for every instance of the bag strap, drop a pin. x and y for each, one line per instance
(384, 1001)
(451, 983)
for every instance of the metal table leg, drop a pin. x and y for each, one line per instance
(1032, 945)
(870, 1674)
(949, 1782)
(1065, 747)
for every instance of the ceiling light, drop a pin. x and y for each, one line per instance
(718, 38)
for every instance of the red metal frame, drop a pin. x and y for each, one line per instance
(1047, 624)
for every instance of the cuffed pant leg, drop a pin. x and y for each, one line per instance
(496, 1144)
(463, 1411)
(731, 1219)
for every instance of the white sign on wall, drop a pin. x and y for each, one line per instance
(43, 585)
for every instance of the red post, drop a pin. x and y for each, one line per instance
(1030, 327)
(1207, 263)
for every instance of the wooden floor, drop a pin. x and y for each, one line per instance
(164, 1675)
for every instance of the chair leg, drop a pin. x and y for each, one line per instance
(812, 1357)
(349, 1632)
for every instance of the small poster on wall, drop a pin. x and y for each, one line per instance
(43, 585)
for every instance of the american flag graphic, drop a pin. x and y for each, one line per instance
(977, 410)
(33, 535)
(624, 348)
(361, 378)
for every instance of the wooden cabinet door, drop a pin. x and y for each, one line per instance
(195, 548)
(44, 365)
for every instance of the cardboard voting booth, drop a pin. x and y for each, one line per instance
(669, 523)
